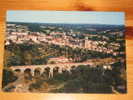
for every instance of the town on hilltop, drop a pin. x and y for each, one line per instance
(64, 58)
(96, 42)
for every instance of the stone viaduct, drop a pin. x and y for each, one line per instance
(61, 67)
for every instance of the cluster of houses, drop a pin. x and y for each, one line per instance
(59, 38)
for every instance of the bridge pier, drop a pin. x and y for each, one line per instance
(51, 73)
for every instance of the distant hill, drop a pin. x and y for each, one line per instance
(79, 27)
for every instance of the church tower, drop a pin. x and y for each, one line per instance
(87, 43)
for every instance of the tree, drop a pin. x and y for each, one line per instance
(8, 77)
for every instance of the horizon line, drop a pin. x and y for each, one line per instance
(60, 23)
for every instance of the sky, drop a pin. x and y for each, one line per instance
(75, 17)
